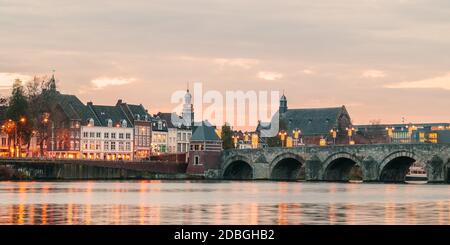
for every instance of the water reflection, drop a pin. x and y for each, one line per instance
(179, 202)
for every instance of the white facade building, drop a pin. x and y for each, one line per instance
(113, 142)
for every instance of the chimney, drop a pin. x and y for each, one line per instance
(119, 102)
(90, 103)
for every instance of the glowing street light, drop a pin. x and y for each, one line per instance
(333, 133)
(390, 133)
(235, 140)
(297, 135)
(282, 135)
(350, 135)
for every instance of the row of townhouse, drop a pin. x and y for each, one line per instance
(119, 132)
(122, 131)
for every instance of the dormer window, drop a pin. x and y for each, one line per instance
(309, 121)
(110, 123)
(124, 123)
(159, 125)
(91, 122)
(138, 117)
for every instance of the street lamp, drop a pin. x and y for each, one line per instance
(235, 140)
(282, 135)
(333, 133)
(297, 133)
(390, 133)
(350, 135)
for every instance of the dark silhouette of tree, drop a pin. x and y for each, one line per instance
(227, 137)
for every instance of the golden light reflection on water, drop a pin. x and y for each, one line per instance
(154, 202)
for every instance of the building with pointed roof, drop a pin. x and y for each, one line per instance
(205, 150)
(313, 124)
(141, 120)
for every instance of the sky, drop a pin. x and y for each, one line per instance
(385, 60)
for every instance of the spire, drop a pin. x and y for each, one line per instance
(283, 104)
(52, 82)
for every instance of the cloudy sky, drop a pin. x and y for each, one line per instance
(383, 59)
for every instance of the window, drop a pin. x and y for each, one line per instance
(159, 125)
(106, 135)
(179, 136)
(121, 136)
(120, 146)
(113, 146)
(91, 134)
(99, 135)
(196, 160)
(128, 146)
(91, 145)
(97, 145)
(106, 145)
(113, 135)
(85, 134)
(128, 136)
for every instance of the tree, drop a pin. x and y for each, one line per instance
(18, 113)
(41, 94)
(227, 137)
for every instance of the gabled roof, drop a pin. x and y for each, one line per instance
(314, 121)
(166, 116)
(155, 123)
(138, 110)
(115, 113)
(204, 133)
(74, 108)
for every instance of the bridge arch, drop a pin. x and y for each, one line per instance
(342, 166)
(286, 166)
(394, 167)
(238, 168)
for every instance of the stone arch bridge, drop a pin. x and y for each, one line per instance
(379, 162)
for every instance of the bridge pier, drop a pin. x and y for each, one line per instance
(261, 171)
(369, 170)
(313, 169)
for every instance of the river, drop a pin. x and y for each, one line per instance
(222, 202)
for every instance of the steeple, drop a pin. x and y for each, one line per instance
(52, 82)
(283, 104)
(188, 109)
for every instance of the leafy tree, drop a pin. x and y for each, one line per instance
(41, 93)
(18, 112)
(227, 137)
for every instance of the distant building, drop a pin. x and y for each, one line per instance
(141, 121)
(159, 135)
(205, 149)
(403, 133)
(111, 138)
(178, 135)
(67, 115)
(315, 124)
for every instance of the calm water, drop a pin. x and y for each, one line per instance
(188, 202)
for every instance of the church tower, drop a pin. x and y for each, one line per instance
(52, 82)
(283, 105)
(188, 110)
